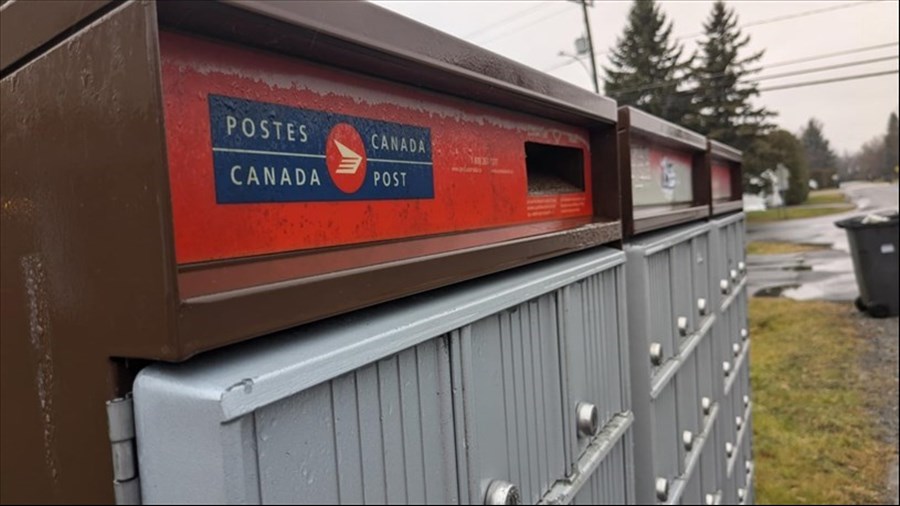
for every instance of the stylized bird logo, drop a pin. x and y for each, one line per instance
(350, 160)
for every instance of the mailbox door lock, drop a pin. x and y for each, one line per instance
(656, 354)
(662, 489)
(502, 492)
(682, 326)
(687, 438)
(588, 419)
(706, 404)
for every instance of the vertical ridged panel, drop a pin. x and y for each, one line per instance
(610, 482)
(727, 413)
(381, 434)
(689, 411)
(664, 436)
(683, 300)
(701, 264)
(710, 475)
(590, 338)
(660, 312)
(614, 339)
(732, 246)
(704, 357)
(513, 399)
(693, 489)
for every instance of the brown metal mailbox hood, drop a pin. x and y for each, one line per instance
(665, 178)
(98, 109)
(725, 167)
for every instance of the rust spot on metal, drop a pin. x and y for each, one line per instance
(21, 207)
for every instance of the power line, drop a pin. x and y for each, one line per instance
(837, 53)
(517, 15)
(787, 17)
(827, 67)
(832, 80)
(520, 27)
(824, 56)
(708, 81)
(750, 24)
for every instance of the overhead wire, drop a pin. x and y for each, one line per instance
(827, 67)
(786, 17)
(709, 80)
(526, 25)
(517, 15)
(832, 80)
(747, 25)
(833, 54)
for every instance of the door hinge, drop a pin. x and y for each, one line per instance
(126, 482)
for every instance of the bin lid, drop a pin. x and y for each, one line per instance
(871, 220)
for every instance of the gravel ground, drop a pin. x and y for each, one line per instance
(881, 364)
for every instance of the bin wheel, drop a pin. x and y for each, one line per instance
(876, 310)
(860, 305)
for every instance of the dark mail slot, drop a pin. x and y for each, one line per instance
(554, 169)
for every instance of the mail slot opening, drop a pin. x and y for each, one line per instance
(553, 169)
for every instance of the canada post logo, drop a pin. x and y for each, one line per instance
(274, 153)
(345, 157)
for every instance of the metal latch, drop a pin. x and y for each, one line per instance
(126, 483)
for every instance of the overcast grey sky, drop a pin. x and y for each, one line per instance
(534, 32)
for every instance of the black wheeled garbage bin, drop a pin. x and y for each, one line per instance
(873, 245)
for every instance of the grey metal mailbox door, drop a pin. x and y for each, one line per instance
(380, 434)
(527, 375)
(512, 404)
(432, 399)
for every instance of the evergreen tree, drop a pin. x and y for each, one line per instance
(647, 69)
(723, 96)
(822, 160)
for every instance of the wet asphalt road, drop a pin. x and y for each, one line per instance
(826, 274)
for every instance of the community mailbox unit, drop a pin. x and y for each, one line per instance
(187, 177)
(680, 381)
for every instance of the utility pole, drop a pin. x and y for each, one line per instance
(587, 27)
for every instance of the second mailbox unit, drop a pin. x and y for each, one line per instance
(676, 384)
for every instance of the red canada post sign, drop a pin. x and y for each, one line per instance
(270, 154)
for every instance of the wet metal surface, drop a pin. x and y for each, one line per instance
(826, 274)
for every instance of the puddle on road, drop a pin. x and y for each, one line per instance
(819, 275)
(798, 267)
(838, 287)
(774, 291)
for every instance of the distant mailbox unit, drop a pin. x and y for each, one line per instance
(724, 164)
(664, 175)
